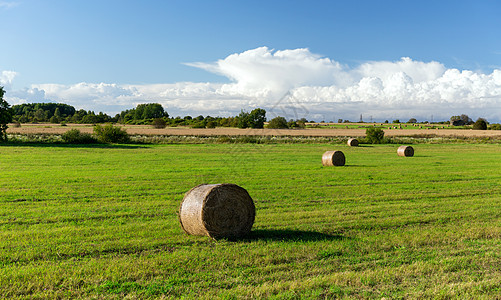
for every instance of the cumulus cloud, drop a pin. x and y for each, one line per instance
(263, 73)
(416, 70)
(297, 83)
(6, 78)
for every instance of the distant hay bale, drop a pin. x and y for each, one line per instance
(405, 151)
(217, 210)
(333, 158)
(353, 142)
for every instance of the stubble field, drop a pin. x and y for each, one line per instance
(101, 222)
(352, 129)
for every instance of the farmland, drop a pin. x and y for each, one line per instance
(323, 130)
(100, 221)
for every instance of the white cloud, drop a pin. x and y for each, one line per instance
(6, 78)
(26, 95)
(415, 70)
(263, 73)
(315, 87)
(8, 4)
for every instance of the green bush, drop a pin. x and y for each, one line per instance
(278, 123)
(74, 136)
(480, 124)
(198, 125)
(111, 134)
(495, 127)
(374, 135)
(159, 123)
(292, 124)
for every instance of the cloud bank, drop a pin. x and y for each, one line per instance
(296, 83)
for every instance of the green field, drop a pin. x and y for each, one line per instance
(101, 222)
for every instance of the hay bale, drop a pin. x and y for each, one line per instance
(405, 151)
(353, 142)
(217, 210)
(333, 158)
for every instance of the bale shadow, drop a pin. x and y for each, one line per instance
(357, 166)
(288, 235)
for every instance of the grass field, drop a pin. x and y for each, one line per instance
(101, 222)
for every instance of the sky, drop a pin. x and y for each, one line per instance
(319, 60)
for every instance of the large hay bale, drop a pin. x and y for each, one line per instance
(405, 151)
(333, 158)
(353, 142)
(217, 210)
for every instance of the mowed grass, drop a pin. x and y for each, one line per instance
(101, 222)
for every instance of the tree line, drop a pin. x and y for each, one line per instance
(143, 114)
(154, 114)
(64, 113)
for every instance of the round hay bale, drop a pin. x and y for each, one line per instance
(217, 210)
(405, 151)
(333, 158)
(353, 142)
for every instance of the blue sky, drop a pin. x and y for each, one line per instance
(207, 57)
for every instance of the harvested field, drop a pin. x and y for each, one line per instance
(185, 131)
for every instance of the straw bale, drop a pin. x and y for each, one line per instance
(405, 151)
(217, 210)
(333, 158)
(353, 142)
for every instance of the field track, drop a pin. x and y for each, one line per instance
(184, 131)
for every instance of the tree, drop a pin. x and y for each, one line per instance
(480, 124)
(89, 118)
(143, 112)
(211, 124)
(412, 120)
(464, 118)
(257, 117)
(40, 115)
(292, 124)
(243, 119)
(278, 123)
(149, 111)
(5, 116)
(57, 113)
(301, 123)
(54, 120)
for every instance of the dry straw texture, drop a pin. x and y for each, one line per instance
(333, 158)
(218, 211)
(405, 151)
(353, 142)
